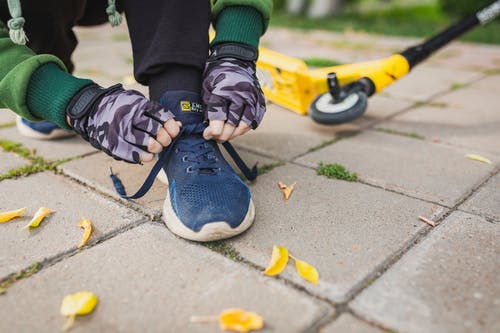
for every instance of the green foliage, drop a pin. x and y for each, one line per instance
(23, 274)
(463, 7)
(224, 249)
(394, 132)
(421, 20)
(279, 5)
(336, 171)
(321, 62)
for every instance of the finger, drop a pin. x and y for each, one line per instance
(163, 137)
(172, 128)
(227, 132)
(154, 146)
(240, 130)
(214, 129)
(146, 157)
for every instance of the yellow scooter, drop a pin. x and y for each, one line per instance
(339, 94)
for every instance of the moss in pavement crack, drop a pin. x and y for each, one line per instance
(336, 171)
(22, 274)
(224, 249)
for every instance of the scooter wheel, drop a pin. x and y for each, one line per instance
(324, 110)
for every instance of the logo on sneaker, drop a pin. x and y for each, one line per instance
(187, 106)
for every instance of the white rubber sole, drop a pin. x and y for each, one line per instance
(211, 231)
(30, 133)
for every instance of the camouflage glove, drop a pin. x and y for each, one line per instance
(231, 91)
(119, 122)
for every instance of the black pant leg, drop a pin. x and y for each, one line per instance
(49, 24)
(167, 35)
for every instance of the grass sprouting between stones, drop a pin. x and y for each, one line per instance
(37, 163)
(224, 249)
(268, 167)
(321, 62)
(394, 132)
(8, 125)
(336, 171)
(456, 86)
(22, 274)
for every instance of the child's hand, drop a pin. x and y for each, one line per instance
(233, 98)
(125, 125)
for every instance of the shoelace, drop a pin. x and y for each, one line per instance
(193, 129)
(198, 152)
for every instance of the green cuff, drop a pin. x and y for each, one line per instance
(240, 24)
(265, 8)
(49, 92)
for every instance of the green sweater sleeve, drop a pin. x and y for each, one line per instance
(33, 100)
(241, 21)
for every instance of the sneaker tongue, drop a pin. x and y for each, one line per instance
(185, 105)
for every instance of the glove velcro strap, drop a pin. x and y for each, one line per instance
(83, 102)
(234, 50)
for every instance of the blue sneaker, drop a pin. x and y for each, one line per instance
(42, 130)
(206, 200)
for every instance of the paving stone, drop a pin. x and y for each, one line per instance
(426, 81)
(285, 134)
(146, 279)
(93, 170)
(96, 41)
(19, 247)
(342, 47)
(447, 283)
(486, 201)
(50, 149)
(414, 167)
(469, 118)
(476, 97)
(348, 323)
(7, 116)
(470, 56)
(9, 161)
(346, 230)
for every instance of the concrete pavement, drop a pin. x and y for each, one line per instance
(381, 268)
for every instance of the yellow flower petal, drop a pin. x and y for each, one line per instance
(240, 321)
(306, 271)
(39, 216)
(80, 303)
(279, 259)
(86, 225)
(478, 158)
(286, 189)
(7, 216)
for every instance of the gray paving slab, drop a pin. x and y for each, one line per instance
(148, 280)
(346, 230)
(447, 283)
(411, 166)
(9, 161)
(50, 149)
(469, 56)
(7, 116)
(486, 201)
(476, 97)
(347, 323)
(426, 81)
(19, 247)
(468, 118)
(114, 62)
(284, 134)
(93, 170)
